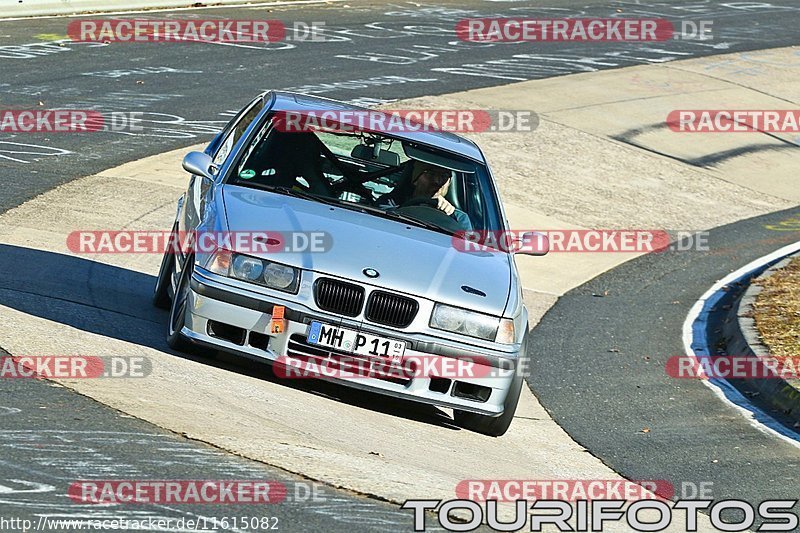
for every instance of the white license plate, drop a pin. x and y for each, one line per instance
(356, 342)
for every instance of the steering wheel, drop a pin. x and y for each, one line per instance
(427, 210)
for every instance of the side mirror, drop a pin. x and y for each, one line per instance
(199, 164)
(532, 243)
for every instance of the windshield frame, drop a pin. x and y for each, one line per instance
(264, 124)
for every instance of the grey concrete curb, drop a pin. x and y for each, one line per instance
(35, 8)
(744, 339)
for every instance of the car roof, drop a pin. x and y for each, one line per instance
(290, 101)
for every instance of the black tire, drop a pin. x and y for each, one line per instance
(496, 426)
(177, 313)
(161, 296)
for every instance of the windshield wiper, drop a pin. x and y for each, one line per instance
(289, 191)
(394, 215)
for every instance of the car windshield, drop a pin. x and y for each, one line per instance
(374, 173)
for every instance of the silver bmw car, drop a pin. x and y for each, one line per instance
(351, 259)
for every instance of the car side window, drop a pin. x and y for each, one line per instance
(236, 132)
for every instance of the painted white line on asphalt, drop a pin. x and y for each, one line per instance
(5, 411)
(724, 390)
(159, 9)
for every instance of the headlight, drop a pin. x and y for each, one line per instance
(448, 318)
(255, 270)
(247, 268)
(465, 322)
(279, 276)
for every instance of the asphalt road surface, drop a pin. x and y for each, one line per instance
(600, 355)
(375, 53)
(52, 438)
(372, 53)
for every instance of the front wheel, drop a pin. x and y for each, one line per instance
(161, 297)
(496, 426)
(177, 314)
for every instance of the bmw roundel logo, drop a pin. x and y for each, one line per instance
(371, 272)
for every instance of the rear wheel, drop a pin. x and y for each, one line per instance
(495, 426)
(177, 314)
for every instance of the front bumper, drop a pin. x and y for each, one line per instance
(244, 318)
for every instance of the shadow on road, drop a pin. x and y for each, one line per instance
(115, 302)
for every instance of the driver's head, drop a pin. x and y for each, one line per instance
(430, 180)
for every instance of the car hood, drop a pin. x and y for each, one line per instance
(409, 259)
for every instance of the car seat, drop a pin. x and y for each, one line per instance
(286, 156)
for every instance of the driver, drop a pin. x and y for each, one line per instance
(432, 181)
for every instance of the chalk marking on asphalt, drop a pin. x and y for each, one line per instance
(156, 10)
(724, 390)
(32, 487)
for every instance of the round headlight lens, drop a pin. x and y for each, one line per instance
(247, 268)
(484, 327)
(448, 318)
(279, 276)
